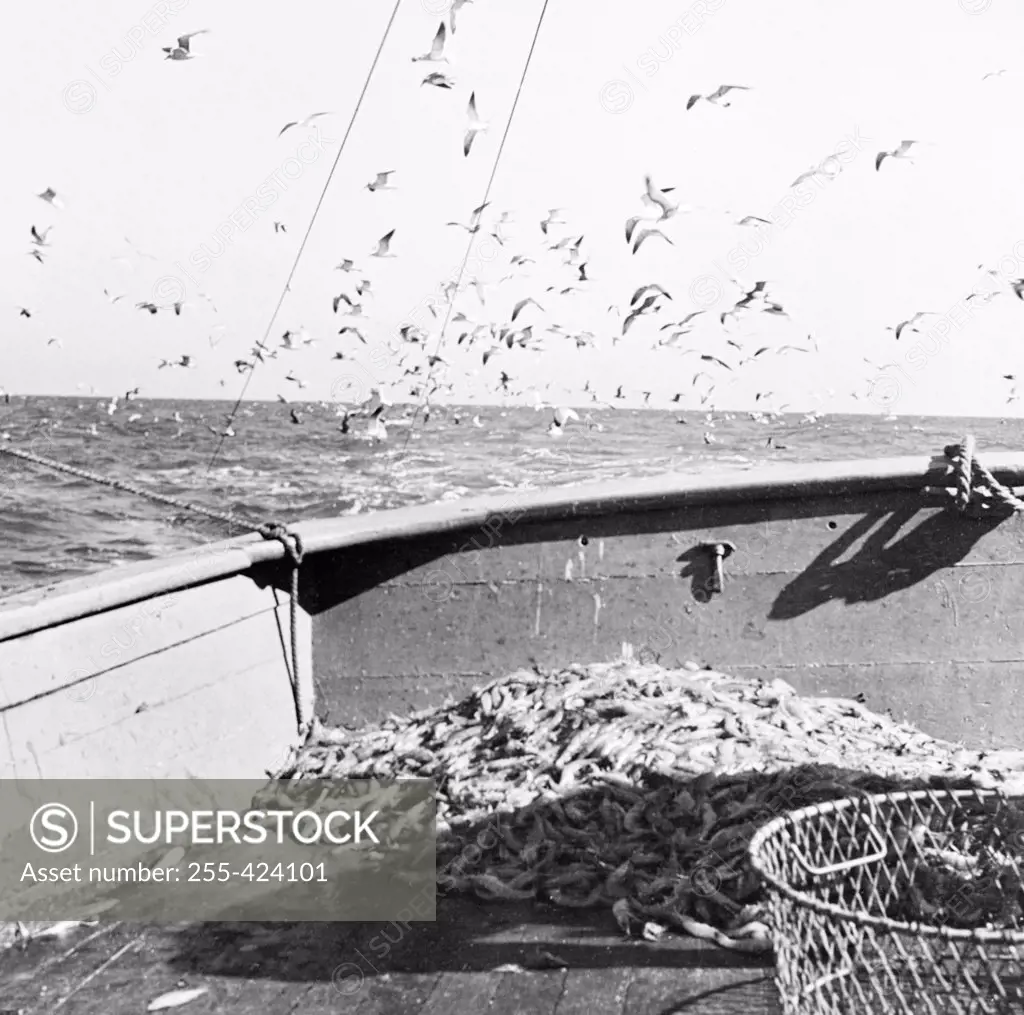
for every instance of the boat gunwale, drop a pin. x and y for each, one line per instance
(87, 595)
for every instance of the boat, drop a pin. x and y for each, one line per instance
(898, 581)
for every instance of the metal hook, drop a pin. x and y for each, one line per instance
(720, 551)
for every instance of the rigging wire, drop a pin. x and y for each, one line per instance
(472, 238)
(309, 229)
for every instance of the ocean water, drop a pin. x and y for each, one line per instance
(57, 526)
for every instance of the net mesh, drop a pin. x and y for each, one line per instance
(907, 903)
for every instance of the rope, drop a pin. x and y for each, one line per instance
(963, 460)
(976, 487)
(119, 484)
(487, 193)
(302, 685)
(309, 229)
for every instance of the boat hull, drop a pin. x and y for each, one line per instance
(913, 607)
(843, 581)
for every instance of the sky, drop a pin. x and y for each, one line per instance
(171, 154)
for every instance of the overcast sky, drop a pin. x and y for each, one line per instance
(169, 153)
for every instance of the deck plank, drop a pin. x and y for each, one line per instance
(449, 967)
(594, 992)
(462, 992)
(664, 991)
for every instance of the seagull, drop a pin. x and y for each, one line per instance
(476, 125)
(182, 51)
(648, 288)
(57, 342)
(753, 220)
(551, 220)
(24, 312)
(993, 74)
(50, 196)
(295, 380)
(521, 305)
(562, 415)
(296, 418)
(381, 182)
(456, 4)
(384, 246)
(808, 175)
(40, 239)
(474, 220)
(644, 233)
(279, 227)
(631, 225)
(657, 197)
(643, 308)
(346, 265)
(151, 307)
(714, 359)
(898, 330)
(303, 123)
(355, 331)
(113, 299)
(717, 95)
(355, 309)
(438, 80)
(896, 153)
(436, 53)
(37, 255)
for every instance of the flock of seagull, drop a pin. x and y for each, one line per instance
(523, 326)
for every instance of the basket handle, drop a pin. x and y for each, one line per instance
(857, 861)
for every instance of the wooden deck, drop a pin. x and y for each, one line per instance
(446, 968)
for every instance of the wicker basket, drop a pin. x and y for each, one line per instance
(848, 880)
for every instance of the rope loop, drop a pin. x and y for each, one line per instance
(302, 683)
(291, 541)
(977, 490)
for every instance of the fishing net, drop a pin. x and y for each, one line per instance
(634, 787)
(905, 903)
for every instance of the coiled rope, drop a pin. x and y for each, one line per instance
(303, 687)
(976, 488)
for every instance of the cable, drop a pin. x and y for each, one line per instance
(487, 191)
(309, 229)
